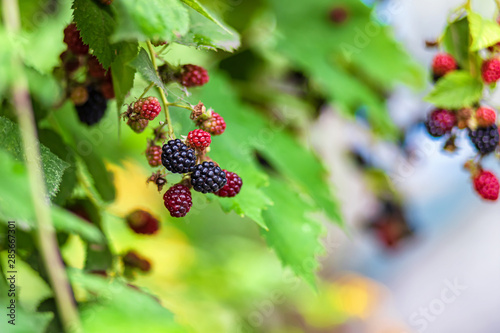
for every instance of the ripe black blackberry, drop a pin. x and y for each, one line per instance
(208, 178)
(92, 111)
(177, 157)
(485, 139)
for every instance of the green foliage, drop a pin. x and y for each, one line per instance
(456, 41)
(155, 20)
(116, 307)
(96, 24)
(293, 233)
(142, 63)
(455, 90)
(123, 73)
(484, 33)
(346, 60)
(204, 34)
(16, 203)
(53, 166)
(204, 11)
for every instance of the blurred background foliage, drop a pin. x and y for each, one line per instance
(279, 64)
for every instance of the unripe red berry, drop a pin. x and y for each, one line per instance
(153, 154)
(490, 70)
(339, 15)
(442, 64)
(486, 185)
(79, 95)
(215, 125)
(193, 76)
(138, 125)
(199, 139)
(486, 116)
(148, 108)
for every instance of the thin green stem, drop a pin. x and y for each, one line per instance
(146, 90)
(181, 106)
(162, 93)
(45, 233)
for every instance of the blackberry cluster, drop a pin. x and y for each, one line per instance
(208, 178)
(177, 157)
(92, 111)
(178, 200)
(485, 139)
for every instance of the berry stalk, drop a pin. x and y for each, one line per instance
(45, 233)
(162, 93)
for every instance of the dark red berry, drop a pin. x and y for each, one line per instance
(138, 125)
(442, 64)
(193, 76)
(178, 200)
(153, 154)
(95, 68)
(133, 260)
(141, 222)
(208, 178)
(339, 15)
(74, 41)
(440, 122)
(177, 157)
(148, 108)
(70, 61)
(199, 139)
(215, 125)
(232, 187)
(107, 89)
(486, 185)
(490, 70)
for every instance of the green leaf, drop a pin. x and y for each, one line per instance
(43, 45)
(96, 25)
(203, 11)
(26, 321)
(456, 41)
(293, 234)
(142, 63)
(16, 203)
(53, 166)
(117, 306)
(205, 34)
(123, 74)
(456, 90)
(248, 132)
(484, 33)
(163, 20)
